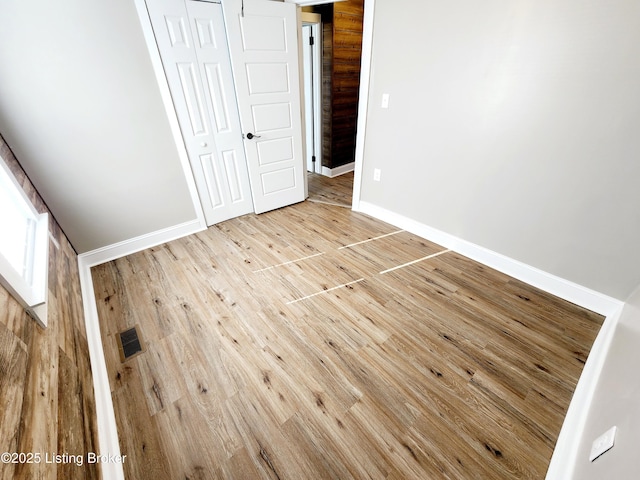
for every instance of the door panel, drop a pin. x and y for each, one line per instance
(278, 150)
(193, 97)
(278, 180)
(261, 30)
(219, 103)
(192, 42)
(264, 53)
(232, 169)
(212, 180)
(271, 116)
(270, 78)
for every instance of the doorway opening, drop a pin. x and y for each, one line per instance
(331, 38)
(337, 191)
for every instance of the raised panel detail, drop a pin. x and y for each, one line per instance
(272, 151)
(274, 116)
(212, 179)
(268, 78)
(233, 180)
(193, 98)
(192, 43)
(206, 33)
(176, 28)
(273, 182)
(216, 86)
(263, 33)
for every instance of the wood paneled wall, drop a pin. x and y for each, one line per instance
(46, 391)
(342, 47)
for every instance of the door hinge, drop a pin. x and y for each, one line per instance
(313, 158)
(311, 41)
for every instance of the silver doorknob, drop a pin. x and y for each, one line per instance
(251, 135)
(204, 144)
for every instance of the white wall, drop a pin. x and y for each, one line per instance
(81, 109)
(513, 124)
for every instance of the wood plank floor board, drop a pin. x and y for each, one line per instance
(314, 275)
(389, 439)
(508, 409)
(519, 326)
(145, 456)
(515, 319)
(162, 377)
(71, 421)
(241, 465)
(422, 310)
(328, 461)
(270, 450)
(39, 408)
(537, 305)
(433, 443)
(306, 365)
(261, 363)
(205, 446)
(440, 369)
(336, 190)
(13, 364)
(355, 327)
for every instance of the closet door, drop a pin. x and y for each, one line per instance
(192, 43)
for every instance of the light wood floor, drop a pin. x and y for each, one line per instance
(332, 191)
(260, 365)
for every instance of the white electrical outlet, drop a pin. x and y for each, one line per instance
(603, 443)
(385, 100)
(376, 174)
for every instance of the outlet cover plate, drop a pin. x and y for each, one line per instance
(603, 443)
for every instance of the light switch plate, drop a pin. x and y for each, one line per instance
(603, 443)
(385, 100)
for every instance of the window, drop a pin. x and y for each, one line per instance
(24, 247)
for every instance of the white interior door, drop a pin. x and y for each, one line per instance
(193, 47)
(263, 41)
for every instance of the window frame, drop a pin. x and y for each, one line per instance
(29, 289)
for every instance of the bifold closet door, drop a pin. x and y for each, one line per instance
(192, 42)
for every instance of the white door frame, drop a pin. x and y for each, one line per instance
(313, 105)
(363, 99)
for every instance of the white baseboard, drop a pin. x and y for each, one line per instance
(341, 170)
(106, 421)
(565, 289)
(137, 244)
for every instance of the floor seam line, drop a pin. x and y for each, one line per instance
(289, 262)
(371, 239)
(325, 291)
(414, 261)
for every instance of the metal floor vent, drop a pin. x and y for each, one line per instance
(129, 343)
